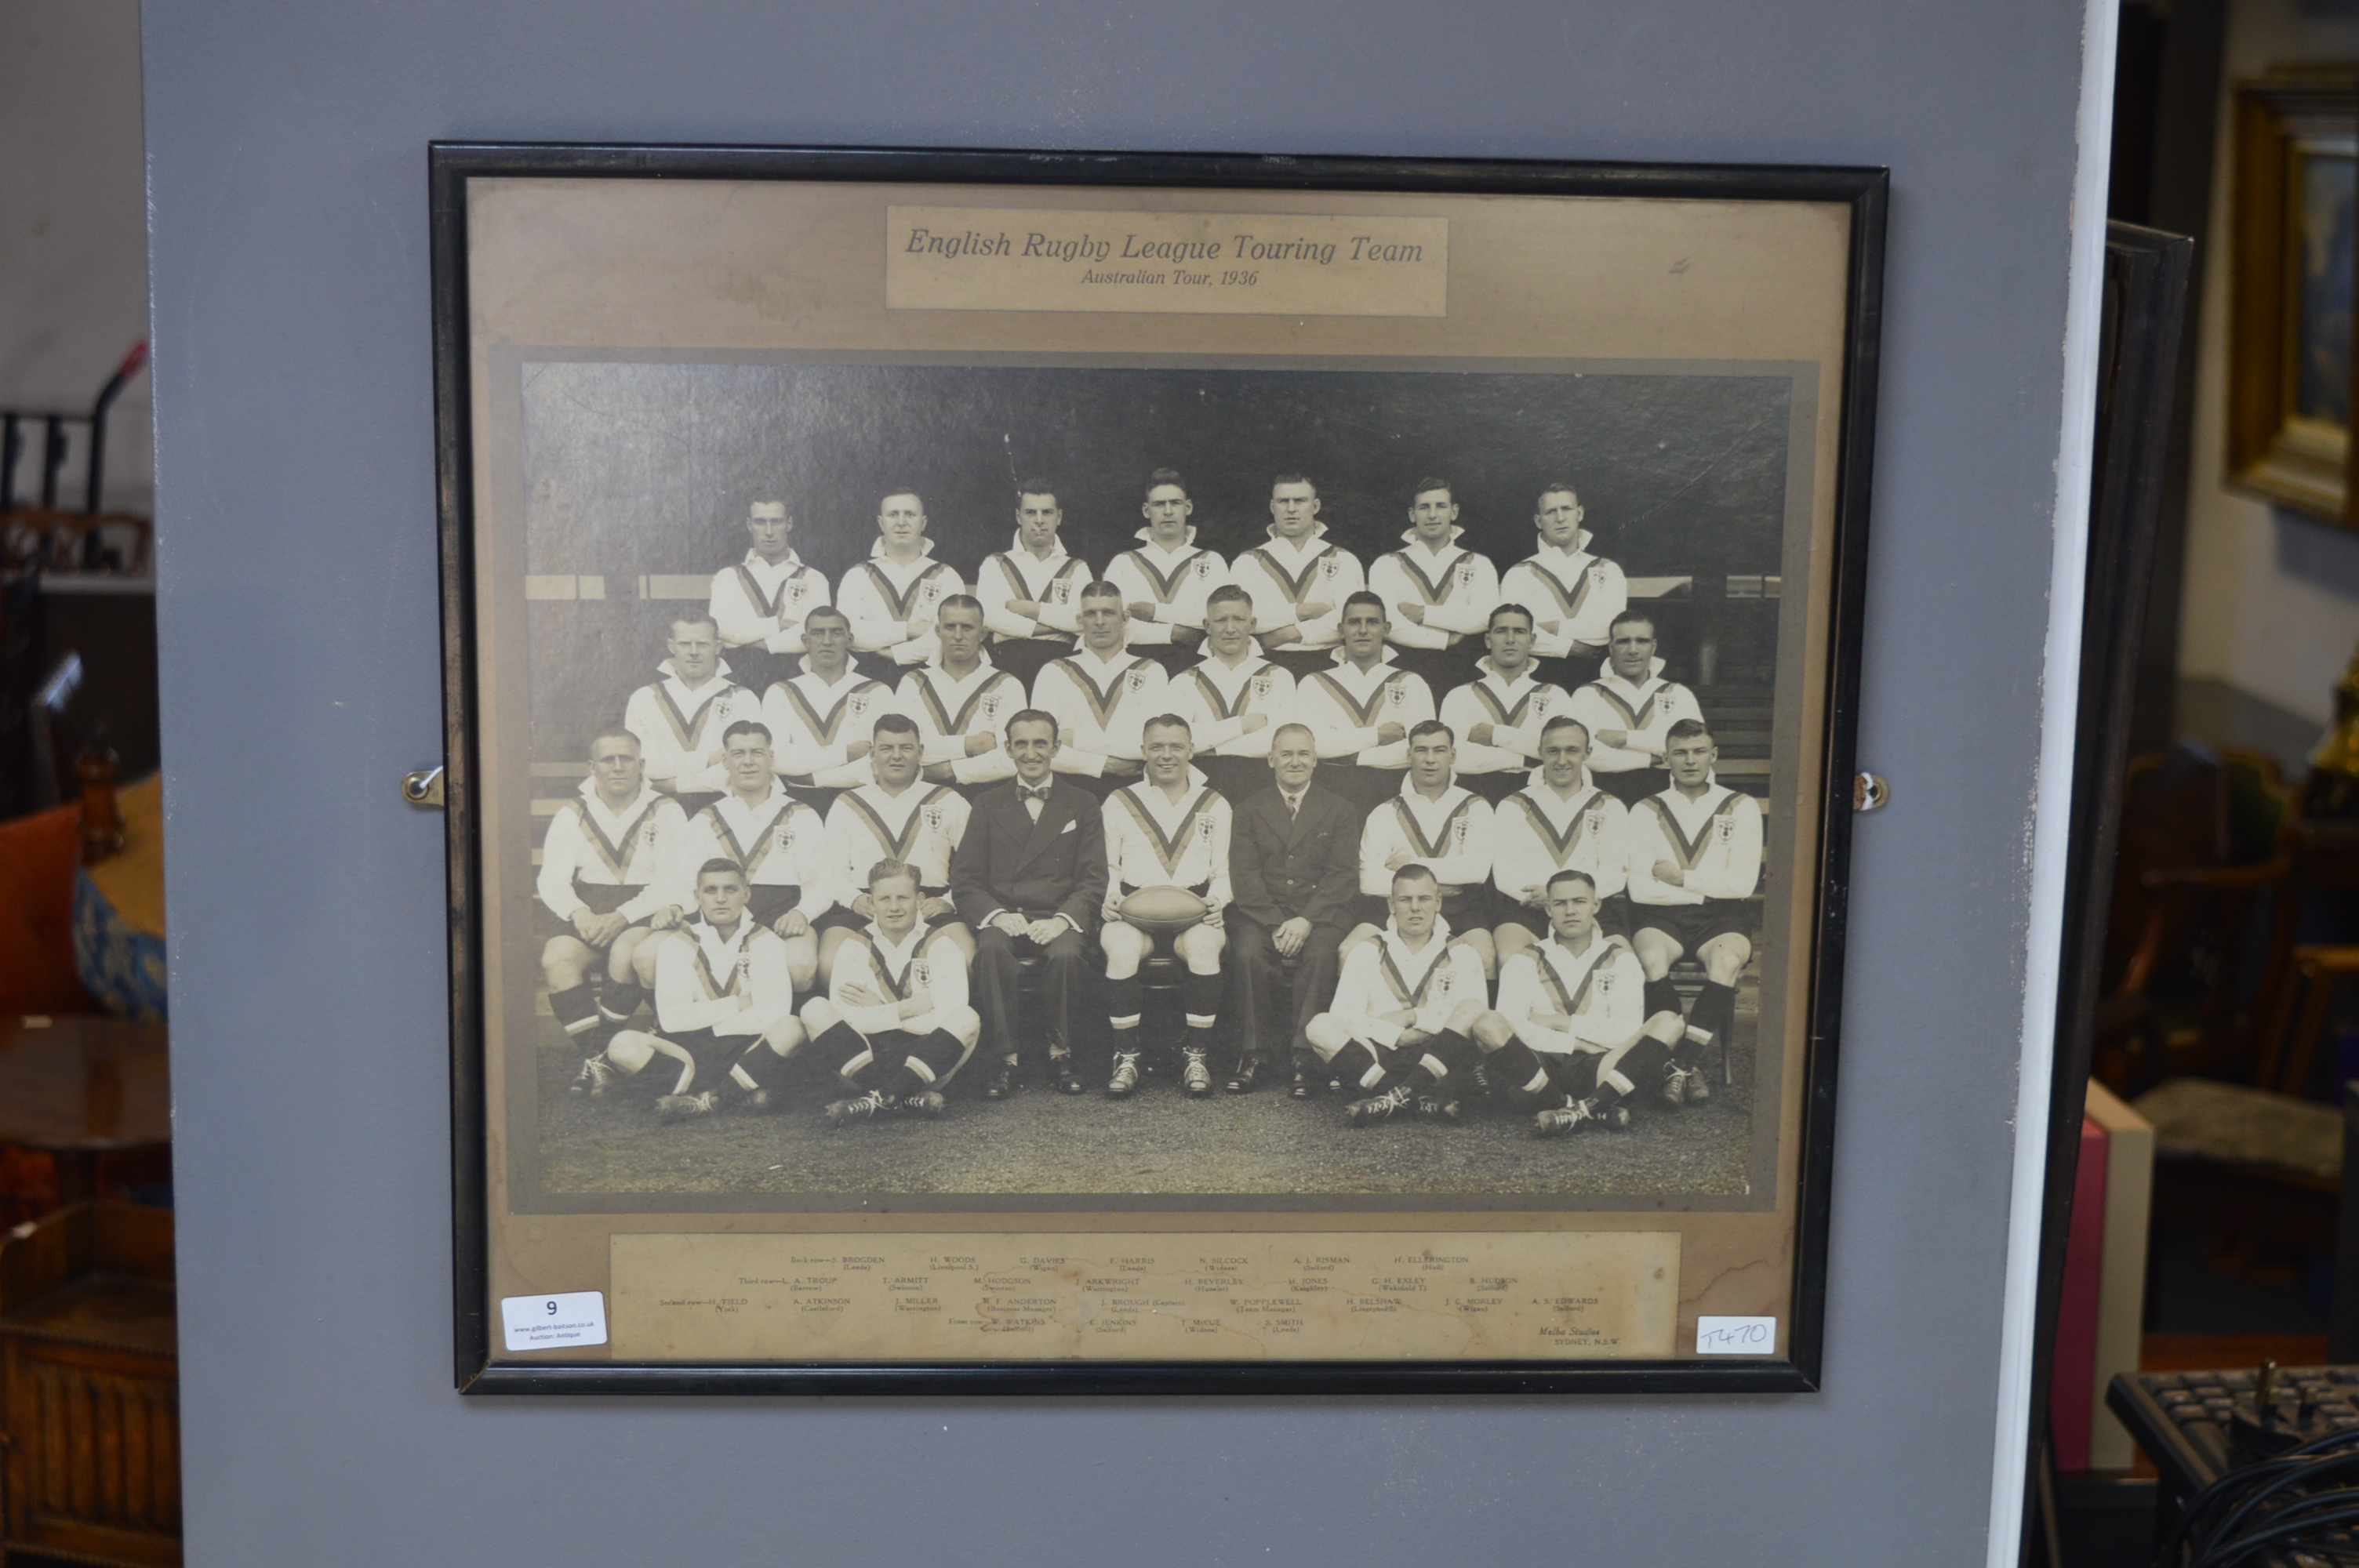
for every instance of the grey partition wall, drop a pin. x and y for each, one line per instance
(299, 625)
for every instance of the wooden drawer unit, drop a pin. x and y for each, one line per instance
(89, 1422)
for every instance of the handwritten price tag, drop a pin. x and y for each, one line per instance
(1737, 1335)
(573, 1319)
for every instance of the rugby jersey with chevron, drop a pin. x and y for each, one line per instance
(588, 844)
(1714, 840)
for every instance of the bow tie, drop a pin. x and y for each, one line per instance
(1028, 793)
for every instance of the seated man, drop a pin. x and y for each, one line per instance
(820, 717)
(895, 1021)
(1436, 823)
(1170, 830)
(1408, 1013)
(1361, 707)
(777, 841)
(1498, 715)
(728, 1036)
(605, 877)
(1294, 865)
(1582, 1037)
(1027, 877)
(1695, 859)
(1561, 822)
(893, 816)
(959, 700)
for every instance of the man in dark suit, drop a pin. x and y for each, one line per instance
(1295, 868)
(1029, 877)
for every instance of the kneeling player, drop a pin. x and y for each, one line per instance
(727, 1034)
(1695, 858)
(1583, 1038)
(895, 1020)
(1408, 1013)
(1170, 830)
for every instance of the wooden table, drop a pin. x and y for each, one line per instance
(80, 1086)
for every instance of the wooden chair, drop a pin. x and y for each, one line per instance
(2203, 866)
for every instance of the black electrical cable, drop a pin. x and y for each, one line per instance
(2301, 1473)
(2293, 1461)
(2221, 1554)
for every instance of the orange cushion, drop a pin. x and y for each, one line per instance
(37, 858)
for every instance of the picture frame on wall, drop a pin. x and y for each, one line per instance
(2295, 197)
(1142, 773)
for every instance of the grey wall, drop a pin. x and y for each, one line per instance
(296, 488)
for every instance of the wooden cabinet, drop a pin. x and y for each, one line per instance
(90, 1425)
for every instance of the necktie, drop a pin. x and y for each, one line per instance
(1034, 799)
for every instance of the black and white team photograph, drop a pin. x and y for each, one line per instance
(1242, 781)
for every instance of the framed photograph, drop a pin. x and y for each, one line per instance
(1147, 773)
(2297, 180)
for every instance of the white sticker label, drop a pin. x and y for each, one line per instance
(543, 1323)
(1737, 1335)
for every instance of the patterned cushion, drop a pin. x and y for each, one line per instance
(121, 966)
(2197, 1118)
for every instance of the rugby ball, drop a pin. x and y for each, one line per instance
(1164, 910)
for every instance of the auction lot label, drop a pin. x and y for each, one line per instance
(1253, 264)
(1156, 1296)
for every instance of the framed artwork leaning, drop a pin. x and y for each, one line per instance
(1145, 773)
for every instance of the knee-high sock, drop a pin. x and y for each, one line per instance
(1715, 1014)
(1661, 996)
(1199, 996)
(923, 1061)
(1357, 1067)
(577, 1014)
(1123, 1000)
(1420, 1067)
(1515, 1068)
(618, 1001)
(843, 1046)
(1641, 1067)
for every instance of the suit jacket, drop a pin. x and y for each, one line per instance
(1008, 862)
(1307, 865)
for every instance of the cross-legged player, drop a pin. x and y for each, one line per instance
(1170, 830)
(724, 1006)
(895, 1022)
(1412, 1015)
(1584, 1041)
(1695, 859)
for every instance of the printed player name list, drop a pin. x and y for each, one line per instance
(1156, 1296)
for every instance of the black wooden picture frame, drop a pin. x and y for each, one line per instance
(452, 165)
